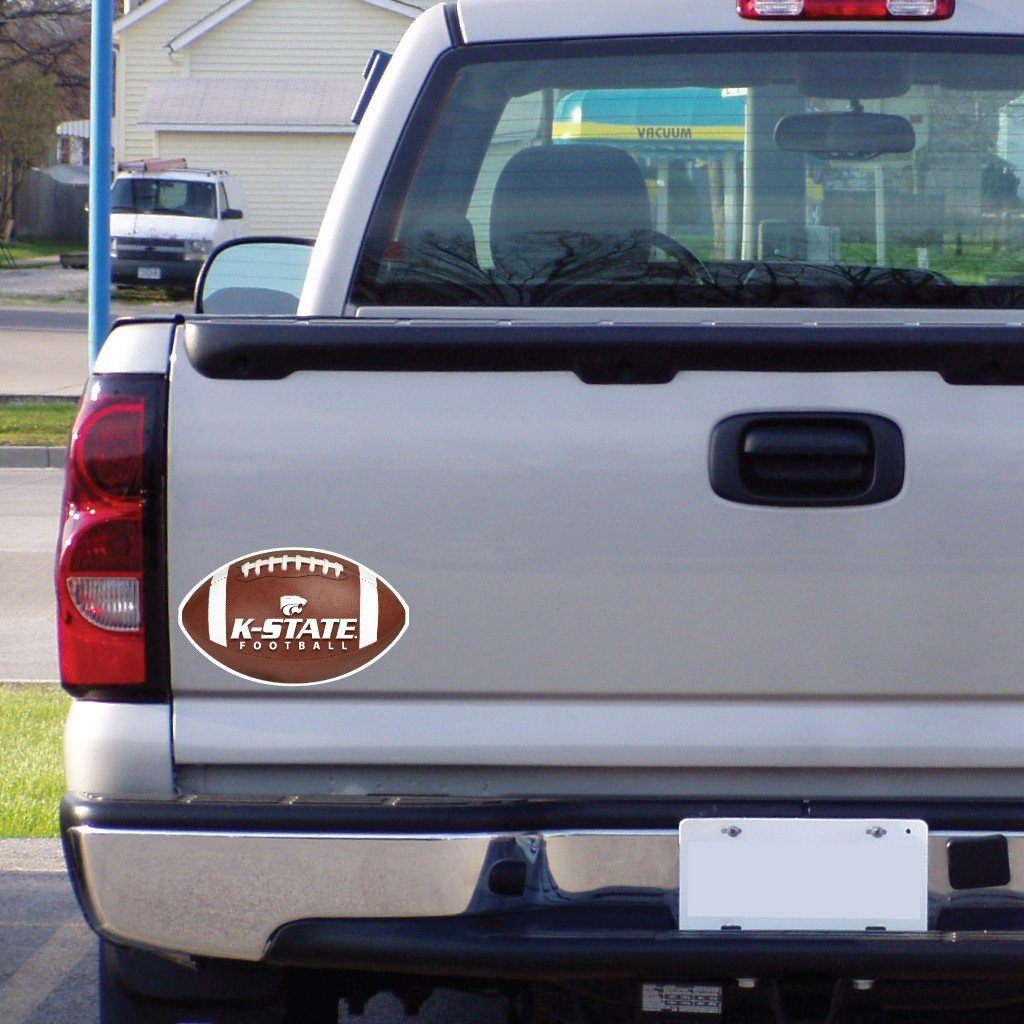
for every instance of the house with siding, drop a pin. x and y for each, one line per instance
(261, 88)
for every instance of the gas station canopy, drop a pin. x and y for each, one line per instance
(693, 123)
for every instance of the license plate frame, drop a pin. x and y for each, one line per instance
(150, 274)
(803, 874)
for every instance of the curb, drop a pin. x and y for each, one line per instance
(33, 263)
(36, 261)
(31, 457)
(46, 300)
(37, 398)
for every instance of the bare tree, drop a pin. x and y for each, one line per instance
(49, 38)
(44, 76)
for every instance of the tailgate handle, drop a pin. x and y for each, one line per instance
(807, 459)
(795, 456)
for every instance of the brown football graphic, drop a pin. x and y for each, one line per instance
(293, 616)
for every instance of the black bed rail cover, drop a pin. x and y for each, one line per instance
(259, 348)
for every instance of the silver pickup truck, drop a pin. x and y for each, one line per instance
(590, 574)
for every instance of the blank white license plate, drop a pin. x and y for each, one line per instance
(803, 874)
(150, 273)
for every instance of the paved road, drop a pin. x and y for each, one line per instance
(29, 509)
(42, 352)
(46, 319)
(48, 954)
(43, 349)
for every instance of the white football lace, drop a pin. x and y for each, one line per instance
(297, 562)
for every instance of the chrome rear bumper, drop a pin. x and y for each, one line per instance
(243, 893)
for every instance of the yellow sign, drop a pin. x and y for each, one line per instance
(569, 130)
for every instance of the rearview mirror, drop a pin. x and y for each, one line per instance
(255, 276)
(231, 214)
(845, 136)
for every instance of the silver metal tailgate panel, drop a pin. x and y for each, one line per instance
(656, 734)
(577, 592)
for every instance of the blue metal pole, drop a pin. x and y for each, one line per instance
(101, 109)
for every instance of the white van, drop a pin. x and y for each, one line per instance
(165, 219)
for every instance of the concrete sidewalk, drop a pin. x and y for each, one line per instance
(29, 517)
(36, 261)
(42, 362)
(32, 457)
(50, 281)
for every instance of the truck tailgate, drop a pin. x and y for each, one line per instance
(578, 593)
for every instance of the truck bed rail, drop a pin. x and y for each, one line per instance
(249, 348)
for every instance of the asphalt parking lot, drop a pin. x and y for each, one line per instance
(47, 953)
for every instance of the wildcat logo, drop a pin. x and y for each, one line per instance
(292, 605)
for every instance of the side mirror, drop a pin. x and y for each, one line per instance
(254, 276)
(846, 136)
(231, 214)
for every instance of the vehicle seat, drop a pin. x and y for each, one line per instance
(570, 213)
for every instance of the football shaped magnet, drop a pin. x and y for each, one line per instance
(293, 616)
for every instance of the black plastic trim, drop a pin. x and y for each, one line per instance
(73, 860)
(142, 975)
(262, 348)
(172, 321)
(978, 862)
(599, 942)
(417, 815)
(454, 23)
(372, 73)
(884, 461)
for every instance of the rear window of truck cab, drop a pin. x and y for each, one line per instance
(801, 170)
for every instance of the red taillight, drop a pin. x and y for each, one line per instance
(855, 10)
(109, 563)
(109, 448)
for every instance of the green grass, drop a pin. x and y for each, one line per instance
(31, 775)
(35, 248)
(145, 296)
(975, 264)
(36, 422)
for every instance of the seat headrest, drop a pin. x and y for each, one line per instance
(570, 213)
(439, 244)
